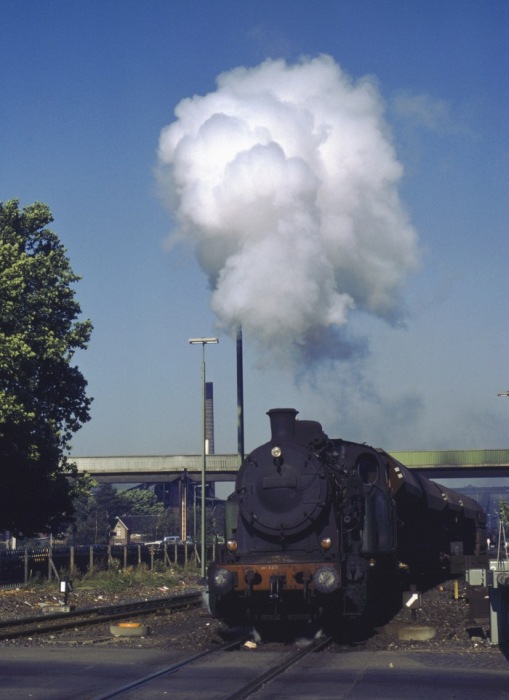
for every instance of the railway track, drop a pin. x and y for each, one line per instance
(270, 674)
(56, 622)
(244, 691)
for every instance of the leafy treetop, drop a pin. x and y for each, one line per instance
(42, 395)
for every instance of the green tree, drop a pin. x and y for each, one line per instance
(43, 398)
(90, 524)
(169, 522)
(141, 502)
(503, 512)
(96, 512)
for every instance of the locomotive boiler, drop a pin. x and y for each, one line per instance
(316, 527)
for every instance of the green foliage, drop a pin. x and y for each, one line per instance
(503, 512)
(42, 394)
(95, 515)
(169, 522)
(133, 579)
(96, 512)
(91, 524)
(141, 502)
(109, 501)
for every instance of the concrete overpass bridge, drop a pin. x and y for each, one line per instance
(436, 464)
(158, 468)
(456, 464)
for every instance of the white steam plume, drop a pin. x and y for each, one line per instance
(286, 180)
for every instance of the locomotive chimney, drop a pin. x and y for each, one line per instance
(282, 423)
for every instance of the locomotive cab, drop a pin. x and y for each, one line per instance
(379, 527)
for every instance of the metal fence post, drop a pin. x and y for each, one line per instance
(50, 556)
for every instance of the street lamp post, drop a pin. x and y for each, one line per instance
(203, 342)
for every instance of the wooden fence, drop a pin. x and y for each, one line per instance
(20, 566)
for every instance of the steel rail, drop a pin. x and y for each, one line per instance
(168, 671)
(244, 692)
(272, 673)
(55, 622)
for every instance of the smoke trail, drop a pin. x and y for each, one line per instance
(285, 179)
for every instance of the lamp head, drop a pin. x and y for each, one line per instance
(203, 341)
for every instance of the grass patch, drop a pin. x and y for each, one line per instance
(132, 579)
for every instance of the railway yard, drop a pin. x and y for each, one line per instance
(454, 621)
(193, 628)
(177, 635)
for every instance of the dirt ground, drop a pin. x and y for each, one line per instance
(455, 623)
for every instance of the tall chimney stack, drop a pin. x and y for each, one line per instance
(240, 395)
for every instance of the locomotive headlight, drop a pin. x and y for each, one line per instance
(231, 545)
(276, 452)
(326, 579)
(326, 543)
(222, 580)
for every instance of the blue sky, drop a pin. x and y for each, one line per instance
(86, 90)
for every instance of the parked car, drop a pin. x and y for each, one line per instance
(171, 539)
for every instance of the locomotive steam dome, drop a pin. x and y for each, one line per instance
(281, 485)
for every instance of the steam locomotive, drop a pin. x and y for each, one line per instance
(317, 526)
